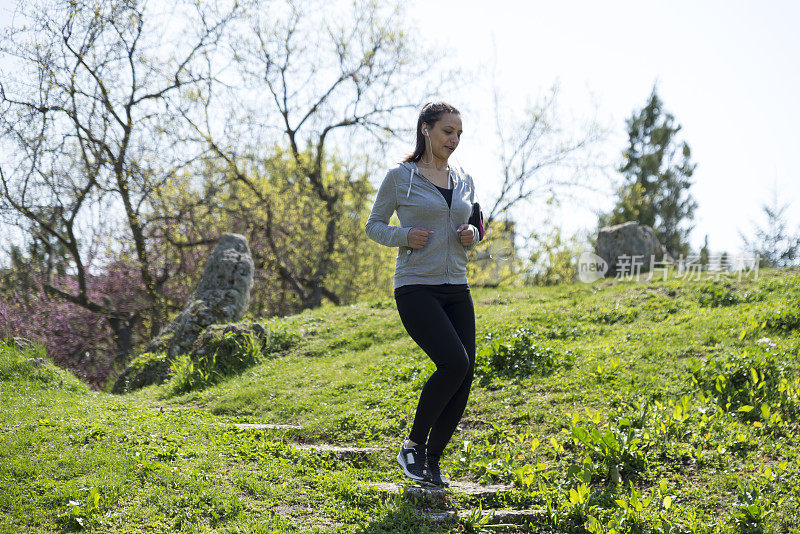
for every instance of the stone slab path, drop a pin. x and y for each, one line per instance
(336, 448)
(499, 517)
(437, 495)
(467, 488)
(421, 493)
(324, 447)
(265, 426)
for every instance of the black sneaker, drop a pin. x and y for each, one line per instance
(434, 474)
(412, 460)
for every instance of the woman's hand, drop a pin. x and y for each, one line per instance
(417, 237)
(467, 234)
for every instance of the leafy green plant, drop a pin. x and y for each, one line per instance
(754, 383)
(583, 472)
(617, 449)
(518, 356)
(235, 353)
(526, 475)
(784, 319)
(607, 371)
(751, 509)
(279, 338)
(81, 513)
(633, 508)
(496, 466)
(500, 455)
(478, 522)
(579, 508)
(713, 294)
(613, 315)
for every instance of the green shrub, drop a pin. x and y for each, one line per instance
(754, 383)
(279, 339)
(784, 319)
(519, 357)
(235, 352)
(617, 314)
(714, 294)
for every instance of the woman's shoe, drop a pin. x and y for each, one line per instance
(412, 460)
(434, 473)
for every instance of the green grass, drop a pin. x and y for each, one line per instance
(616, 406)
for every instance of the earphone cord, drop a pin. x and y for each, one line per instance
(431, 149)
(427, 137)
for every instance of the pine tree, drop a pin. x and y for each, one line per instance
(657, 171)
(776, 245)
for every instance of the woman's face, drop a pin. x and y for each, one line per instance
(444, 135)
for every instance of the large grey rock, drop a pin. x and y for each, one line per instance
(629, 239)
(221, 297)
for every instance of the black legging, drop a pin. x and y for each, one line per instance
(441, 320)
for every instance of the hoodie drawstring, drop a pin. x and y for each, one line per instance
(455, 174)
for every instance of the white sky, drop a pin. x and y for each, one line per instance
(727, 70)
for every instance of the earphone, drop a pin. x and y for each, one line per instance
(429, 140)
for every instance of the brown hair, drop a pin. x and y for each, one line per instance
(431, 112)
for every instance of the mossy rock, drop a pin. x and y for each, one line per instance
(146, 369)
(224, 343)
(219, 340)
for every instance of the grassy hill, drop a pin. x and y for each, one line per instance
(665, 406)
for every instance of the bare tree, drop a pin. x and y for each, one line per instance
(541, 161)
(314, 78)
(82, 120)
(540, 158)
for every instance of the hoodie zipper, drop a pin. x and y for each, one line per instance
(449, 215)
(450, 220)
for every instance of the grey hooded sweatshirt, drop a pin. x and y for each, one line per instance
(443, 259)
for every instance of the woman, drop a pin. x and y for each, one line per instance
(433, 202)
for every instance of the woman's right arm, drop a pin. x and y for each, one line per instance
(377, 227)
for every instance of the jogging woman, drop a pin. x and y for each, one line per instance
(433, 202)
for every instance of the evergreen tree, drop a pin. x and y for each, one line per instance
(776, 245)
(657, 170)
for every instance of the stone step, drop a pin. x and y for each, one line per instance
(325, 447)
(195, 407)
(264, 426)
(340, 451)
(436, 495)
(499, 516)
